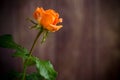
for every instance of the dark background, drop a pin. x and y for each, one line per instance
(86, 48)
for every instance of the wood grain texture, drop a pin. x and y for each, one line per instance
(86, 48)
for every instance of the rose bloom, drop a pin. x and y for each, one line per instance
(48, 19)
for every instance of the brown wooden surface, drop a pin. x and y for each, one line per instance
(86, 48)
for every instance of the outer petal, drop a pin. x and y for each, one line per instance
(56, 21)
(53, 28)
(38, 13)
(60, 20)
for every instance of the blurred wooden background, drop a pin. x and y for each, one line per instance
(86, 48)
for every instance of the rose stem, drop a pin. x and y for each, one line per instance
(34, 43)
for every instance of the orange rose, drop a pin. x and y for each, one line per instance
(48, 19)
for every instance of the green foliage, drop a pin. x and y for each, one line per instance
(45, 70)
(30, 61)
(13, 75)
(6, 41)
(34, 76)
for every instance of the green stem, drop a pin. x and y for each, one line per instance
(34, 43)
(24, 73)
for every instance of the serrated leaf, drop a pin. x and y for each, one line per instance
(19, 54)
(45, 69)
(6, 41)
(34, 76)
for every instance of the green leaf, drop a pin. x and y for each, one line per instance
(30, 61)
(19, 54)
(46, 69)
(13, 75)
(6, 41)
(34, 76)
